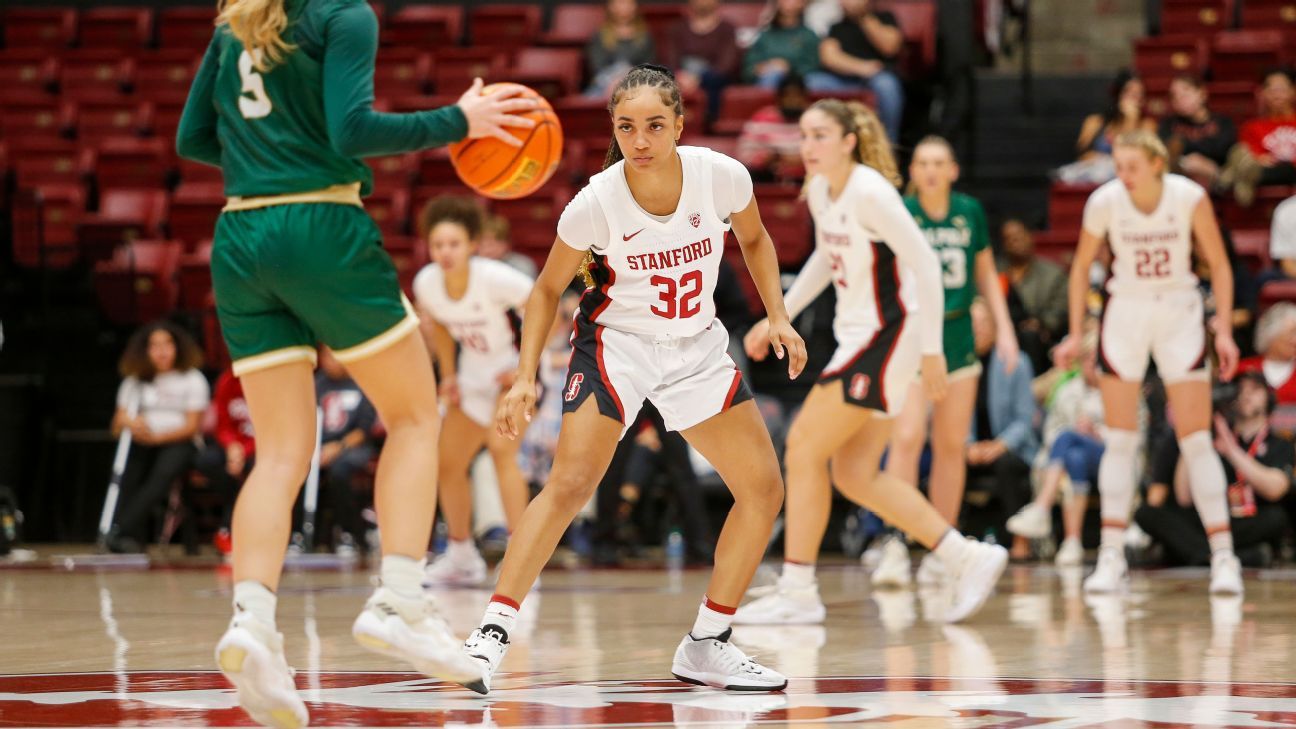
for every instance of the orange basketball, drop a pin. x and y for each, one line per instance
(494, 169)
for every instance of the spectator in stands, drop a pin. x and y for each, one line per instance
(1282, 242)
(1199, 140)
(226, 459)
(1275, 340)
(1094, 145)
(1036, 284)
(703, 51)
(620, 44)
(161, 402)
(496, 243)
(1003, 439)
(346, 447)
(1258, 469)
(1267, 144)
(770, 142)
(1073, 441)
(861, 52)
(785, 46)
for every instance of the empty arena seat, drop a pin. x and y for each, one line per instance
(1276, 291)
(917, 19)
(164, 75)
(166, 117)
(194, 277)
(191, 171)
(135, 163)
(584, 118)
(1199, 17)
(533, 220)
(45, 28)
(1168, 55)
(94, 73)
(395, 171)
(660, 19)
(1066, 205)
(42, 162)
(424, 26)
(138, 283)
(454, 69)
(1241, 55)
(124, 215)
(573, 24)
(1234, 99)
(193, 211)
(98, 120)
(508, 26)
(119, 28)
(402, 72)
(787, 219)
(738, 104)
(44, 225)
(552, 72)
(403, 250)
(390, 210)
(1252, 246)
(1260, 213)
(1055, 245)
(435, 168)
(27, 70)
(189, 28)
(36, 117)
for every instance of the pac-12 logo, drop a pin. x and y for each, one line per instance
(859, 386)
(573, 386)
(695, 219)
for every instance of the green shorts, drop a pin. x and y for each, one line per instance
(960, 346)
(289, 276)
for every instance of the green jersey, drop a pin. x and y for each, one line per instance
(957, 240)
(303, 123)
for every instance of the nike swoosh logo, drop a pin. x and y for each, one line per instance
(628, 237)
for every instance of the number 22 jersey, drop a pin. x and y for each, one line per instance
(1150, 252)
(656, 275)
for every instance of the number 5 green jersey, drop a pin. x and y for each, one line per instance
(957, 240)
(303, 123)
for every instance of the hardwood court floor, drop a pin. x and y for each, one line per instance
(134, 648)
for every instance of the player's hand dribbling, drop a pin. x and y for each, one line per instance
(517, 407)
(1064, 355)
(934, 377)
(489, 114)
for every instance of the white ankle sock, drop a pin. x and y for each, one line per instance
(502, 614)
(712, 619)
(796, 574)
(257, 600)
(403, 575)
(951, 547)
(460, 551)
(1220, 541)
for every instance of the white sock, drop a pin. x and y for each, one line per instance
(951, 547)
(1209, 490)
(403, 575)
(502, 614)
(460, 551)
(712, 619)
(257, 600)
(796, 574)
(1116, 484)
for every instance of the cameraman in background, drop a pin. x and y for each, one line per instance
(1257, 465)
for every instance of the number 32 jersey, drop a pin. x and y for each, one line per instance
(656, 275)
(1151, 253)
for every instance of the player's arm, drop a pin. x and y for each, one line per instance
(987, 279)
(1211, 248)
(196, 136)
(356, 130)
(541, 307)
(758, 253)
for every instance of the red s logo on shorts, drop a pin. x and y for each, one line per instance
(859, 386)
(573, 387)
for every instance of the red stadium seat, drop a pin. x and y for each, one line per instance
(1066, 205)
(27, 71)
(41, 163)
(724, 145)
(1241, 55)
(533, 221)
(1056, 245)
(552, 72)
(1276, 291)
(1167, 55)
(584, 118)
(137, 163)
(100, 120)
(215, 353)
(1276, 14)
(194, 209)
(165, 75)
(454, 69)
(124, 215)
(424, 26)
(390, 210)
(45, 28)
(743, 15)
(94, 73)
(197, 172)
(41, 116)
(660, 19)
(1195, 17)
(506, 27)
(435, 168)
(1252, 246)
(119, 28)
(1234, 99)
(737, 106)
(1261, 211)
(573, 24)
(917, 19)
(788, 221)
(394, 172)
(166, 117)
(195, 277)
(138, 283)
(188, 28)
(44, 226)
(402, 72)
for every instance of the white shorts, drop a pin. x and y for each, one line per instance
(688, 379)
(1168, 327)
(876, 370)
(479, 388)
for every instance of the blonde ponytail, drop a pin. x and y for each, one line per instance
(259, 25)
(872, 147)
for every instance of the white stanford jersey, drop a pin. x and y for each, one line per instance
(1150, 252)
(652, 275)
(479, 319)
(878, 260)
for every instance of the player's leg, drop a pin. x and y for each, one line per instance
(461, 440)
(951, 421)
(514, 492)
(1116, 480)
(908, 435)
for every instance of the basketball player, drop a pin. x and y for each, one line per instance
(888, 329)
(1154, 310)
(955, 227)
(650, 228)
(466, 301)
(283, 104)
